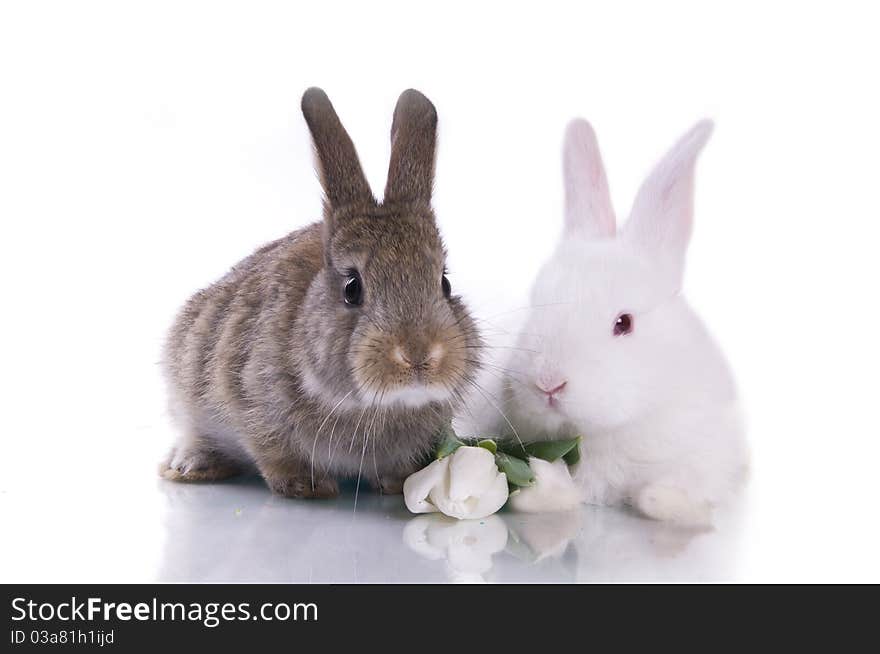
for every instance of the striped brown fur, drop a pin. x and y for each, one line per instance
(270, 368)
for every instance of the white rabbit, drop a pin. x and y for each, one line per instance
(612, 351)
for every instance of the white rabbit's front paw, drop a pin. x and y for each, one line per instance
(671, 504)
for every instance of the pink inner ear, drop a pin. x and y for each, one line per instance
(588, 209)
(662, 214)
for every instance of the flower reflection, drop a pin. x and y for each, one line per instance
(469, 547)
(466, 545)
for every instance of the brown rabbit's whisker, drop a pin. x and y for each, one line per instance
(376, 440)
(357, 425)
(366, 437)
(318, 432)
(493, 366)
(485, 395)
(461, 401)
(499, 375)
(354, 433)
(446, 324)
(504, 347)
(330, 450)
(526, 308)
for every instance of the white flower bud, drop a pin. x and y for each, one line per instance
(465, 485)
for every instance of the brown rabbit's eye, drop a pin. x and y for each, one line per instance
(353, 292)
(447, 287)
(623, 325)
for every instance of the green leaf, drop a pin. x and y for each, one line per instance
(512, 447)
(448, 443)
(574, 454)
(518, 471)
(552, 450)
(488, 444)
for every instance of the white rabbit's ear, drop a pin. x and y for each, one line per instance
(662, 214)
(588, 210)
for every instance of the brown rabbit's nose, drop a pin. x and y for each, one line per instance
(418, 357)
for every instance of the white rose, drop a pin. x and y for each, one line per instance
(465, 484)
(553, 490)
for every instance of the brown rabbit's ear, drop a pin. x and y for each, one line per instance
(413, 141)
(341, 174)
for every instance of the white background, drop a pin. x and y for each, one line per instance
(146, 147)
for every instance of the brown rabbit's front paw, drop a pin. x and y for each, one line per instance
(388, 485)
(189, 465)
(303, 487)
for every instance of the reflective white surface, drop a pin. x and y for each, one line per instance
(87, 520)
(146, 148)
(237, 531)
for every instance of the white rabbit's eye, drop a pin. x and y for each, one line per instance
(623, 325)
(353, 291)
(446, 286)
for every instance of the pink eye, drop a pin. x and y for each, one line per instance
(623, 325)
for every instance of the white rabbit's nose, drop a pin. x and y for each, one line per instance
(551, 387)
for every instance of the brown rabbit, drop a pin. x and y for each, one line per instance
(337, 350)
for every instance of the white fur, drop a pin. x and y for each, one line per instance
(553, 489)
(413, 395)
(657, 408)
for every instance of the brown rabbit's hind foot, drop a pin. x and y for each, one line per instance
(288, 476)
(194, 465)
(302, 486)
(388, 485)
